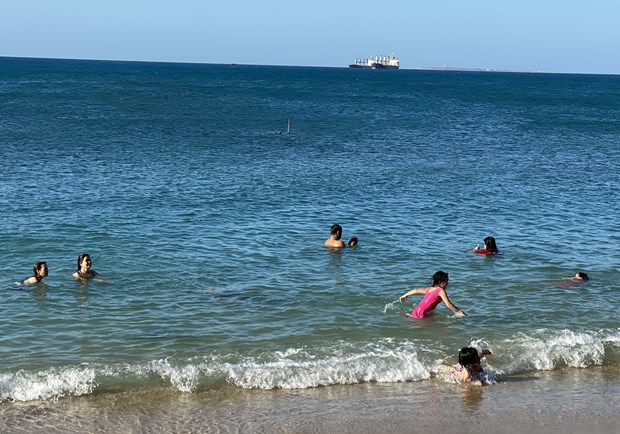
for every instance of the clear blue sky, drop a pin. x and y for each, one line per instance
(535, 35)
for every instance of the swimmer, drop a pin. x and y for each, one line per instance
(469, 368)
(352, 242)
(334, 241)
(39, 271)
(83, 268)
(580, 276)
(490, 248)
(433, 295)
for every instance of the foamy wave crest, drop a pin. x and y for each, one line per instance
(293, 368)
(52, 383)
(550, 349)
(184, 378)
(386, 360)
(300, 368)
(347, 365)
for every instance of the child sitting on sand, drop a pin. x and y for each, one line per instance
(469, 368)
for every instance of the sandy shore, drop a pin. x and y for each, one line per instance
(567, 401)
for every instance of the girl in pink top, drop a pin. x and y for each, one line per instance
(433, 295)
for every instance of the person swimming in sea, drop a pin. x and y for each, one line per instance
(335, 242)
(335, 234)
(578, 278)
(39, 271)
(490, 247)
(84, 270)
(433, 295)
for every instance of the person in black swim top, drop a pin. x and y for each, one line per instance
(84, 271)
(39, 271)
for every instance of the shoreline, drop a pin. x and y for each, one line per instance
(567, 401)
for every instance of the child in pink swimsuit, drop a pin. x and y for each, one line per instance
(433, 295)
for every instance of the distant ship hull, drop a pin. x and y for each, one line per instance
(377, 62)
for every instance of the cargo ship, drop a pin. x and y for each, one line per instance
(377, 62)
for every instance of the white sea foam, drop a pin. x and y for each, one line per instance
(52, 384)
(550, 349)
(379, 364)
(183, 378)
(391, 306)
(386, 360)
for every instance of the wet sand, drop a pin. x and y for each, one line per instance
(567, 401)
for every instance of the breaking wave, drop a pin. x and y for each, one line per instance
(386, 361)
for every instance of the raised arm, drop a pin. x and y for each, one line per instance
(444, 296)
(413, 291)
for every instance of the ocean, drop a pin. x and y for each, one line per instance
(207, 218)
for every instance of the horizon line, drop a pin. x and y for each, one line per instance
(444, 68)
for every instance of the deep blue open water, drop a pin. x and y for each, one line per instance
(207, 221)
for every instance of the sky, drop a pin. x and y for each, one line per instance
(526, 35)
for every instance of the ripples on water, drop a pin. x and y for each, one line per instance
(208, 226)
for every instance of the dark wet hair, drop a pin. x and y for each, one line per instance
(336, 229)
(352, 242)
(583, 276)
(81, 258)
(489, 244)
(439, 278)
(468, 356)
(37, 266)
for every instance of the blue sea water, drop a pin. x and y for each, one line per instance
(207, 221)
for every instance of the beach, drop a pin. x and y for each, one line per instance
(219, 308)
(548, 402)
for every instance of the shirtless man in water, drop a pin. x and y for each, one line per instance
(334, 241)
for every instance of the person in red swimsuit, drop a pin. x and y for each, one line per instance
(490, 248)
(433, 295)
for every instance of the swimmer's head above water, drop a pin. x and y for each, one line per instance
(336, 231)
(581, 276)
